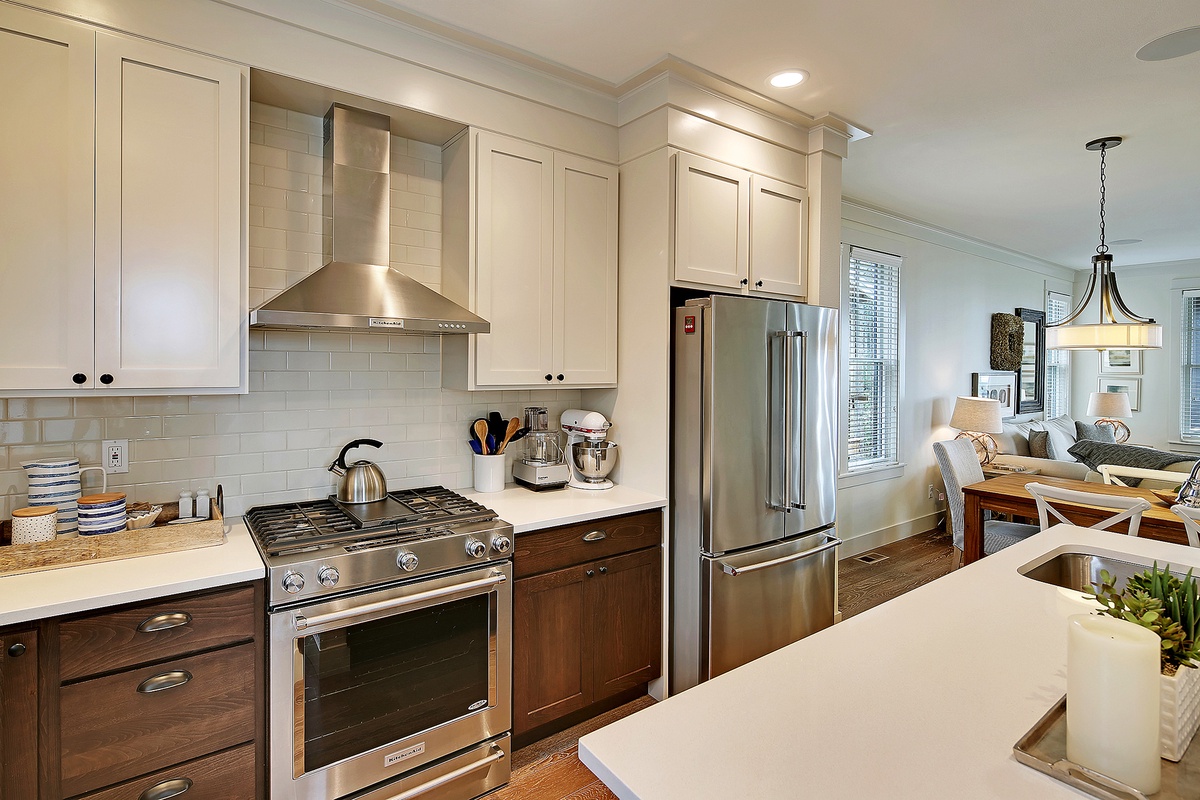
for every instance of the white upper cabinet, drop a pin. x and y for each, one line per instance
(539, 263)
(738, 230)
(145, 289)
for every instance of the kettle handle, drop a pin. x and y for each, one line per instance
(341, 459)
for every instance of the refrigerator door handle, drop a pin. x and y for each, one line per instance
(785, 339)
(803, 337)
(830, 541)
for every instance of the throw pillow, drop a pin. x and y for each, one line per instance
(1094, 433)
(1125, 455)
(1039, 444)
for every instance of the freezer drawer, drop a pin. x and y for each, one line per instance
(760, 600)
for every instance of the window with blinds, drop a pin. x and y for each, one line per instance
(1058, 362)
(873, 359)
(1189, 358)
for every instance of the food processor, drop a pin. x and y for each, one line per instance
(590, 456)
(541, 465)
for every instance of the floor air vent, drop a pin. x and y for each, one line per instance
(871, 558)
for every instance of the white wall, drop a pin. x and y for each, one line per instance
(1147, 290)
(950, 287)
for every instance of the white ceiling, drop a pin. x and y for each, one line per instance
(979, 110)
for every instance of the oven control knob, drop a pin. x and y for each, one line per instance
(293, 582)
(476, 548)
(407, 561)
(328, 576)
(501, 544)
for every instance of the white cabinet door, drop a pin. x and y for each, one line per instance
(46, 156)
(778, 237)
(514, 261)
(712, 222)
(169, 280)
(585, 275)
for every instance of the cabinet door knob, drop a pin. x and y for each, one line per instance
(549, 377)
(106, 379)
(745, 281)
(17, 650)
(604, 570)
(560, 377)
(79, 377)
(590, 573)
(758, 284)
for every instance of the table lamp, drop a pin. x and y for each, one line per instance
(1110, 406)
(977, 418)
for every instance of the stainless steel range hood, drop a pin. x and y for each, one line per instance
(357, 290)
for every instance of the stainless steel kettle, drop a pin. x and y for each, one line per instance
(1189, 491)
(362, 481)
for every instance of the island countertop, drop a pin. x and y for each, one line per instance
(921, 697)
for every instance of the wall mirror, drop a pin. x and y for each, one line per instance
(1031, 377)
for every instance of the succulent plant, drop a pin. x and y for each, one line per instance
(1162, 603)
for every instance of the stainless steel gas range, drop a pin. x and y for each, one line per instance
(390, 657)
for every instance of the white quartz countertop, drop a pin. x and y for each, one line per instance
(920, 697)
(83, 587)
(531, 511)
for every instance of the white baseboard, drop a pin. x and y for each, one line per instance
(865, 542)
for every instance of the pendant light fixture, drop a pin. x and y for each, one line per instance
(1138, 333)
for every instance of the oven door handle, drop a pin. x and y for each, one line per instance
(410, 794)
(302, 622)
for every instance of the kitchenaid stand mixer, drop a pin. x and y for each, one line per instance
(590, 456)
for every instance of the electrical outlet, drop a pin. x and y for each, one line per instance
(930, 495)
(116, 455)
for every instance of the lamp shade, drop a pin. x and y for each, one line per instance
(1104, 336)
(977, 414)
(1109, 404)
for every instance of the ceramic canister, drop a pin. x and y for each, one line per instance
(55, 482)
(102, 513)
(35, 524)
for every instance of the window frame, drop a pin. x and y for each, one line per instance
(1192, 291)
(1057, 359)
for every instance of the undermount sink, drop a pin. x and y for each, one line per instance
(1078, 571)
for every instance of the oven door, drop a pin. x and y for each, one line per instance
(370, 686)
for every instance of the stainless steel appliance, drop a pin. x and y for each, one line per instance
(754, 477)
(390, 647)
(590, 456)
(541, 465)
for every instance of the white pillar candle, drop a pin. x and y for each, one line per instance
(1112, 699)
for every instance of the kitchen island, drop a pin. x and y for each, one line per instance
(921, 697)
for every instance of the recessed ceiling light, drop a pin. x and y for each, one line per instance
(1173, 45)
(788, 78)
(1125, 241)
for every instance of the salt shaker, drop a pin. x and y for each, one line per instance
(185, 505)
(203, 504)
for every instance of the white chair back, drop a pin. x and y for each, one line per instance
(1112, 474)
(959, 465)
(1132, 507)
(1191, 522)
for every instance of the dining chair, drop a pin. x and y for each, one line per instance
(1191, 522)
(1131, 507)
(960, 467)
(1112, 474)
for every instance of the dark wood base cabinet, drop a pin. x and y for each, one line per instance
(587, 619)
(157, 699)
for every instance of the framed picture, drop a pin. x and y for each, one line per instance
(1121, 362)
(1000, 386)
(1130, 386)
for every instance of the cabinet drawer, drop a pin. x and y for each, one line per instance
(555, 548)
(224, 776)
(154, 631)
(120, 726)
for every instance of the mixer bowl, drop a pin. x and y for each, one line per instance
(594, 460)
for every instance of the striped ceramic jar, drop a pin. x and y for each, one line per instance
(55, 482)
(102, 513)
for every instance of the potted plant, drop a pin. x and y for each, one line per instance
(1170, 607)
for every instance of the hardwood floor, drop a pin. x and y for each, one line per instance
(551, 769)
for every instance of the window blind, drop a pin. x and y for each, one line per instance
(1058, 362)
(1189, 357)
(873, 359)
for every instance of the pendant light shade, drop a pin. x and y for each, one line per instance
(1136, 333)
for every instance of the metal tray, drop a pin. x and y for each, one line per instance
(1045, 749)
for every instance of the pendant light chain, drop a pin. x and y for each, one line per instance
(1103, 248)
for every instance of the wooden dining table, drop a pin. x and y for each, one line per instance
(1007, 494)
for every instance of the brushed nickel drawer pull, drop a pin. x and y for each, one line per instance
(164, 681)
(166, 789)
(163, 622)
(595, 536)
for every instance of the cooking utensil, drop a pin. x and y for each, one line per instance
(362, 481)
(514, 425)
(476, 447)
(481, 433)
(497, 424)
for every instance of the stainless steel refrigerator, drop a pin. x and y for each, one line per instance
(754, 477)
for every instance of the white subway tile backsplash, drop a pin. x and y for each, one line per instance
(38, 407)
(72, 430)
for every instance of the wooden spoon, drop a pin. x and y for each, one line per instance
(514, 425)
(481, 433)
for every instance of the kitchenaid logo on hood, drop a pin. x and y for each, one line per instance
(376, 322)
(404, 754)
